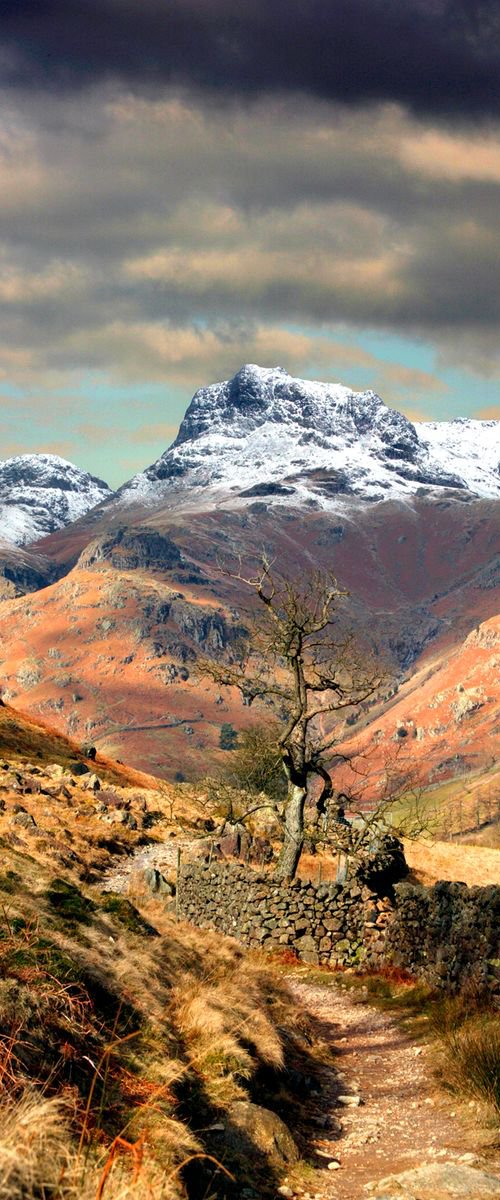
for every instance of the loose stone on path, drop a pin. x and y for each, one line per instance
(394, 1124)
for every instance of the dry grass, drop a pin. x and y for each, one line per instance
(488, 837)
(472, 1059)
(228, 1027)
(33, 1147)
(477, 866)
(39, 1159)
(118, 1049)
(468, 1032)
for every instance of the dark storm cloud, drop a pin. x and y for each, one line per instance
(123, 213)
(435, 56)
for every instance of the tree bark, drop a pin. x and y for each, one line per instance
(293, 837)
(323, 801)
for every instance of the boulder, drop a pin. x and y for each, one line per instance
(24, 819)
(119, 816)
(251, 1128)
(155, 882)
(235, 841)
(383, 865)
(438, 1181)
(127, 819)
(55, 770)
(261, 851)
(91, 783)
(79, 768)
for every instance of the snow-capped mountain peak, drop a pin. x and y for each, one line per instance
(265, 433)
(256, 395)
(40, 493)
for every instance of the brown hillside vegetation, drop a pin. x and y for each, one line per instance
(443, 724)
(429, 861)
(108, 653)
(126, 1038)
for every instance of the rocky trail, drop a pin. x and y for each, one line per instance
(385, 1130)
(384, 1115)
(160, 855)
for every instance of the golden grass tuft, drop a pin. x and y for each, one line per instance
(471, 1059)
(33, 1147)
(38, 1159)
(233, 1006)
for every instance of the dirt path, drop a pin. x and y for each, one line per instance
(401, 1122)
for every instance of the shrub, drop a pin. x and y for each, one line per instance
(228, 736)
(256, 763)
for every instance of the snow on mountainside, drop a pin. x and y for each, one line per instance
(40, 493)
(264, 433)
(472, 447)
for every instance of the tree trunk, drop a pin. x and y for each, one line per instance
(293, 838)
(323, 801)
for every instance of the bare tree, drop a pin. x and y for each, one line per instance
(299, 661)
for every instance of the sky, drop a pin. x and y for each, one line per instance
(189, 185)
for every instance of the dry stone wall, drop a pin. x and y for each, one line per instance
(448, 935)
(327, 924)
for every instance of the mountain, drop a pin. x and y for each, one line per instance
(109, 651)
(40, 493)
(321, 478)
(296, 442)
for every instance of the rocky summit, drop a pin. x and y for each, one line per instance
(293, 441)
(40, 493)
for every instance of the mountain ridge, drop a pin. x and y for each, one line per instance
(266, 434)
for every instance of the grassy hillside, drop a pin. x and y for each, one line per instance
(27, 737)
(126, 1038)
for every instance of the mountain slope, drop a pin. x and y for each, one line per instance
(442, 726)
(102, 1043)
(43, 492)
(109, 652)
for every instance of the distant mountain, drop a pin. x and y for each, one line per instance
(322, 479)
(295, 442)
(40, 493)
(263, 436)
